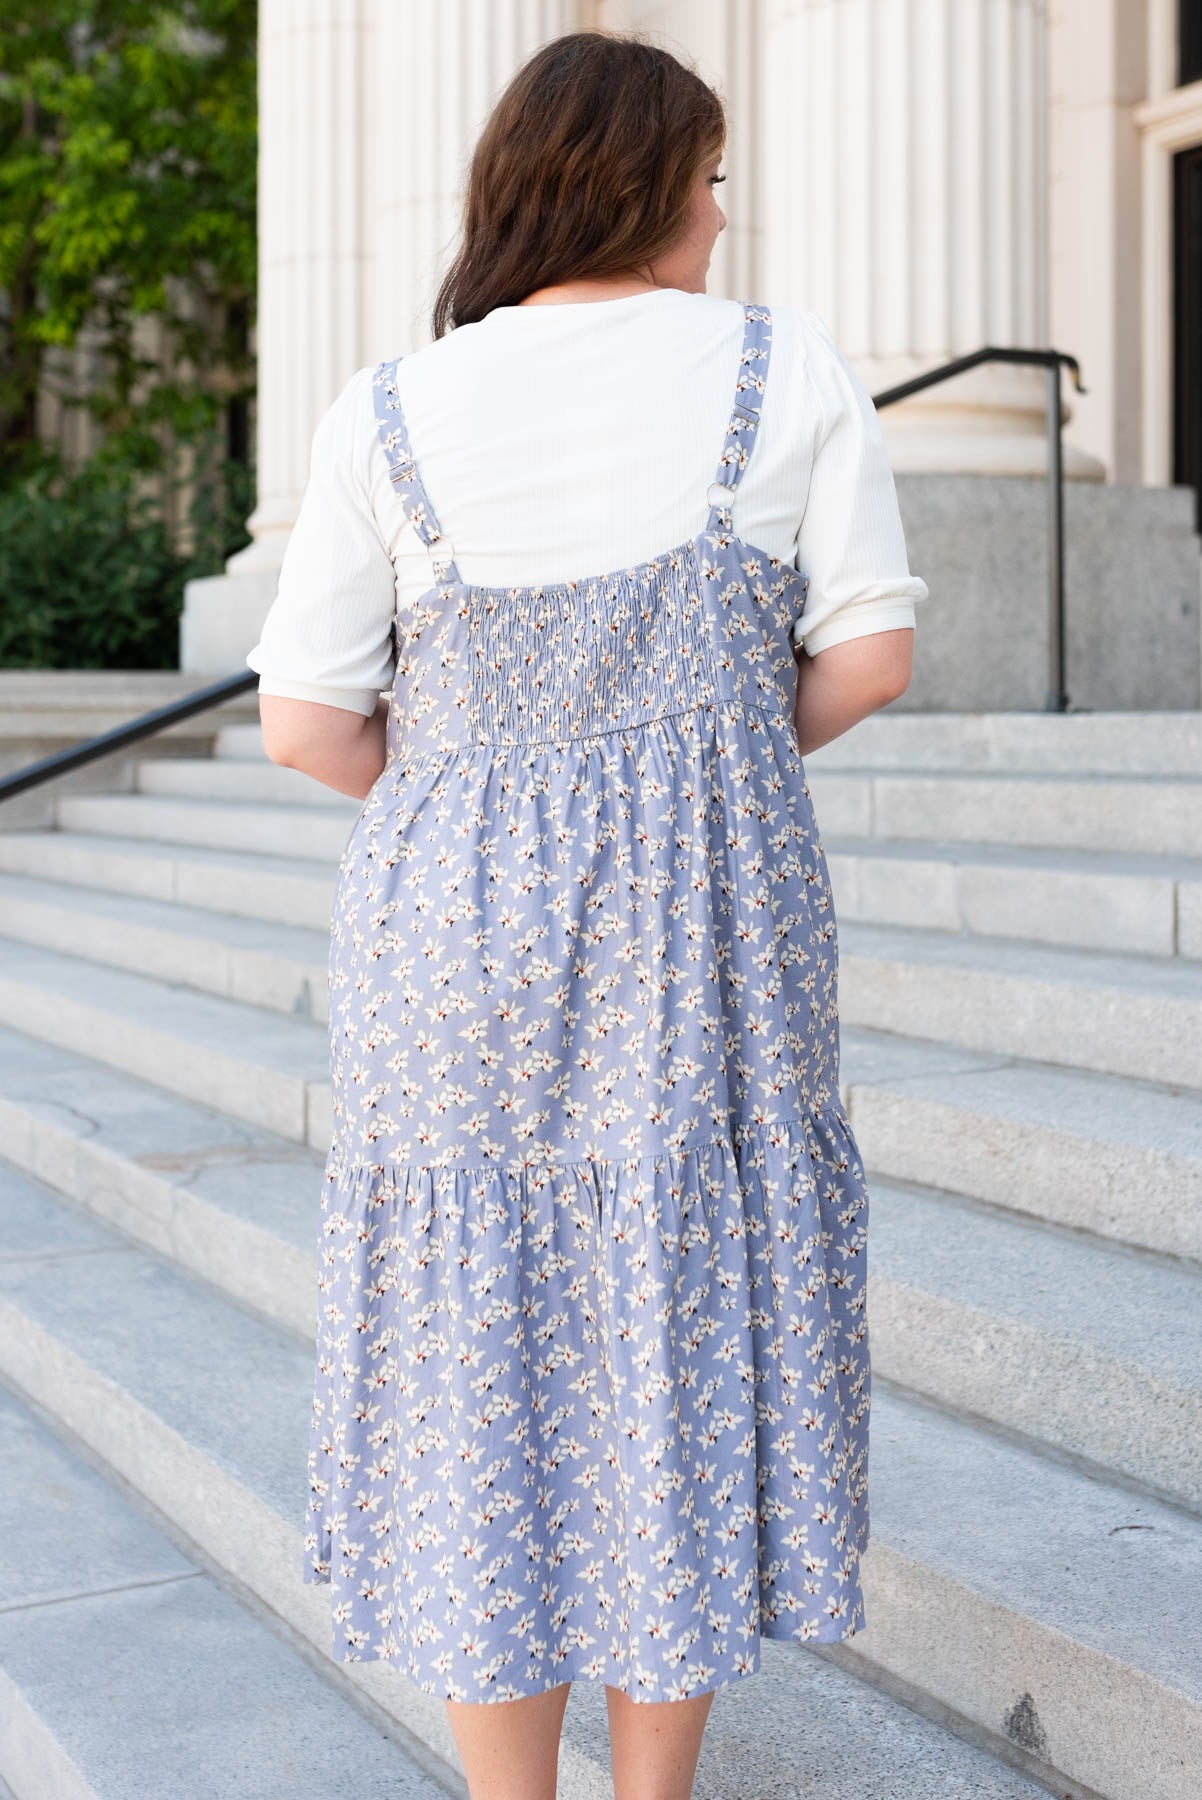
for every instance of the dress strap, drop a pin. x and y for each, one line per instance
(405, 476)
(745, 414)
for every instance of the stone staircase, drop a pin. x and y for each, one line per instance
(1019, 900)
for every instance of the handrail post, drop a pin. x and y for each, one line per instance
(1057, 698)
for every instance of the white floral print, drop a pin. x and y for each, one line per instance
(592, 1372)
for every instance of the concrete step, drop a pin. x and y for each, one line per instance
(1037, 1602)
(219, 778)
(111, 1637)
(242, 743)
(1118, 1015)
(283, 968)
(1132, 1016)
(228, 1202)
(1090, 1348)
(1120, 1158)
(92, 1585)
(310, 833)
(1155, 815)
(1084, 899)
(1086, 743)
(278, 889)
(252, 1064)
(1046, 1331)
(1096, 1153)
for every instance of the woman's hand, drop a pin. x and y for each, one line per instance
(843, 684)
(342, 749)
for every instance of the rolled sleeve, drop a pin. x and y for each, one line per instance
(328, 634)
(850, 542)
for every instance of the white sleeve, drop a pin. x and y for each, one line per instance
(850, 543)
(327, 635)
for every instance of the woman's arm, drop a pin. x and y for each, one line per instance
(342, 749)
(846, 682)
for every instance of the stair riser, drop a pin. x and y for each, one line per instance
(253, 977)
(965, 1650)
(303, 832)
(1189, 919)
(1157, 819)
(1146, 915)
(1019, 1378)
(1162, 743)
(276, 899)
(1153, 1038)
(255, 1268)
(1116, 1415)
(999, 1667)
(973, 1363)
(1150, 1038)
(1124, 913)
(1116, 1191)
(30, 1755)
(204, 779)
(295, 1109)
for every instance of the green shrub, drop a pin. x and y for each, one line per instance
(89, 578)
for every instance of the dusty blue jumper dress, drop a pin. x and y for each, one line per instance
(592, 1379)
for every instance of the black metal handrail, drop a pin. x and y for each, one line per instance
(1057, 701)
(1057, 698)
(143, 726)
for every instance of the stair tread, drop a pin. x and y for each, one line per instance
(1018, 959)
(232, 1028)
(1067, 860)
(164, 778)
(1160, 1119)
(82, 804)
(1110, 1108)
(238, 1168)
(1126, 741)
(927, 1236)
(1023, 778)
(1132, 1306)
(1020, 1528)
(109, 1635)
(232, 930)
(173, 1643)
(151, 850)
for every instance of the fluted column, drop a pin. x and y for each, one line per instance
(436, 69)
(368, 111)
(904, 197)
(311, 242)
(723, 39)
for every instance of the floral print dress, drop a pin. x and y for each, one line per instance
(592, 1375)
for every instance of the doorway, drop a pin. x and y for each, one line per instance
(1187, 323)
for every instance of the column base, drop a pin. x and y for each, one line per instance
(992, 420)
(223, 616)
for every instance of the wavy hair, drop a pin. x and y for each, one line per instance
(584, 167)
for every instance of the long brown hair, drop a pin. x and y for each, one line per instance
(584, 167)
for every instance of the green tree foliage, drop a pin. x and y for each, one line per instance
(127, 191)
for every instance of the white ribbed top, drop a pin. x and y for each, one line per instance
(566, 440)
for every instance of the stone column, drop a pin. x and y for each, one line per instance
(368, 110)
(723, 39)
(904, 197)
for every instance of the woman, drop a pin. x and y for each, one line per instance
(592, 1376)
